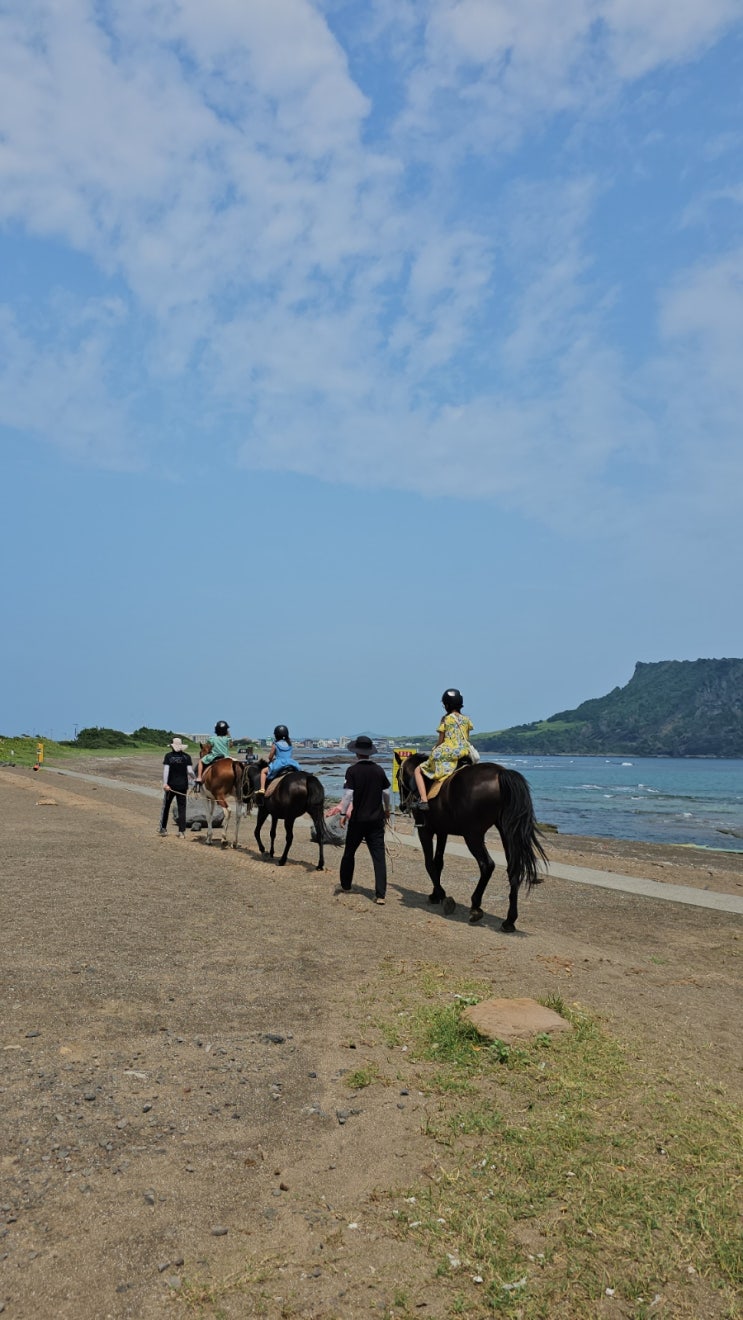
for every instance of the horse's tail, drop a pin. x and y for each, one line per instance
(518, 827)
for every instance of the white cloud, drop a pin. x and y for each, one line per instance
(319, 280)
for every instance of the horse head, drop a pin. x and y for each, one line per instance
(406, 767)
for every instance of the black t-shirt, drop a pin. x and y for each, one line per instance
(178, 763)
(368, 781)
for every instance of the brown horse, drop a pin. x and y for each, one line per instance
(295, 793)
(469, 803)
(222, 780)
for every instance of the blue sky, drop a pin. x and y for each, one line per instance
(352, 351)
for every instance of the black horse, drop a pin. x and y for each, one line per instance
(469, 803)
(295, 793)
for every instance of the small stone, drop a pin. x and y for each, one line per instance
(146, 1109)
(30, 1034)
(404, 1091)
(272, 1038)
(163, 1266)
(174, 1282)
(149, 1197)
(284, 1187)
(178, 1262)
(121, 1123)
(89, 1095)
(219, 1231)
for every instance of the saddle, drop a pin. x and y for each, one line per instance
(270, 786)
(434, 787)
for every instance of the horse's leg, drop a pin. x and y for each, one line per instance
(209, 813)
(318, 820)
(224, 804)
(274, 823)
(514, 881)
(289, 827)
(438, 865)
(476, 845)
(262, 813)
(434, 865)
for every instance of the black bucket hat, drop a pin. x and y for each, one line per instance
(362, 746)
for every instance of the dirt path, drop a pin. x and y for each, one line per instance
(178, 1029)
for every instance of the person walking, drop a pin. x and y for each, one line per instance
(365, 805)
(177, 774)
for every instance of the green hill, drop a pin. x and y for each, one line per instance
(671, 708)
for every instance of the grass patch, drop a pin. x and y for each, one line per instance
(572, 1176)
(362, 1077)
(23, 750)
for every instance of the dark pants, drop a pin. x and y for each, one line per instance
(169, 797)
(370, 832)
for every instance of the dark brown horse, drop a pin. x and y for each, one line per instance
(469, 803)
(222, 780)
(295, 793)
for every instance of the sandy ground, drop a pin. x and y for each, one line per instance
(178, 1025)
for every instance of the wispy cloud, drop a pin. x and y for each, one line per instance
(369, 244)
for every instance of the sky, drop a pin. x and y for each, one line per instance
(352, 351)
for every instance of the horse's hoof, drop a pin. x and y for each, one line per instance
(281, 861)
(436, 896)
(225, 843)
(320, 867)
(450, 906)
(508, 927)
(476, 915)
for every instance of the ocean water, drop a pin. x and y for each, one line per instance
(652, 799)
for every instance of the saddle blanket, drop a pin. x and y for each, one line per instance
(270, 786)
(434, 787)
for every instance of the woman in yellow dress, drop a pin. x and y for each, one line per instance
(454, 737)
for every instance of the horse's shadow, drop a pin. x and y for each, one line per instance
(291, 864)
(412, 898)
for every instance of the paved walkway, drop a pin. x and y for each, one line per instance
(582, 875)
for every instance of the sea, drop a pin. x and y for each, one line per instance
(650, 799)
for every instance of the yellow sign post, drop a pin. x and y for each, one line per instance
(399, 754)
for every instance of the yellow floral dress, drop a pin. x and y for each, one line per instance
(456, 729)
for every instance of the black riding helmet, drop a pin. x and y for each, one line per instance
(221, 728)
(452, 700)
(281, 732)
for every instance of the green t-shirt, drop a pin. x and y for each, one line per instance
(220, 747)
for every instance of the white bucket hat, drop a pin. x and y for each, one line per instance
(177, 745)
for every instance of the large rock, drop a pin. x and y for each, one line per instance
(196, 813)
(513, 1019)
